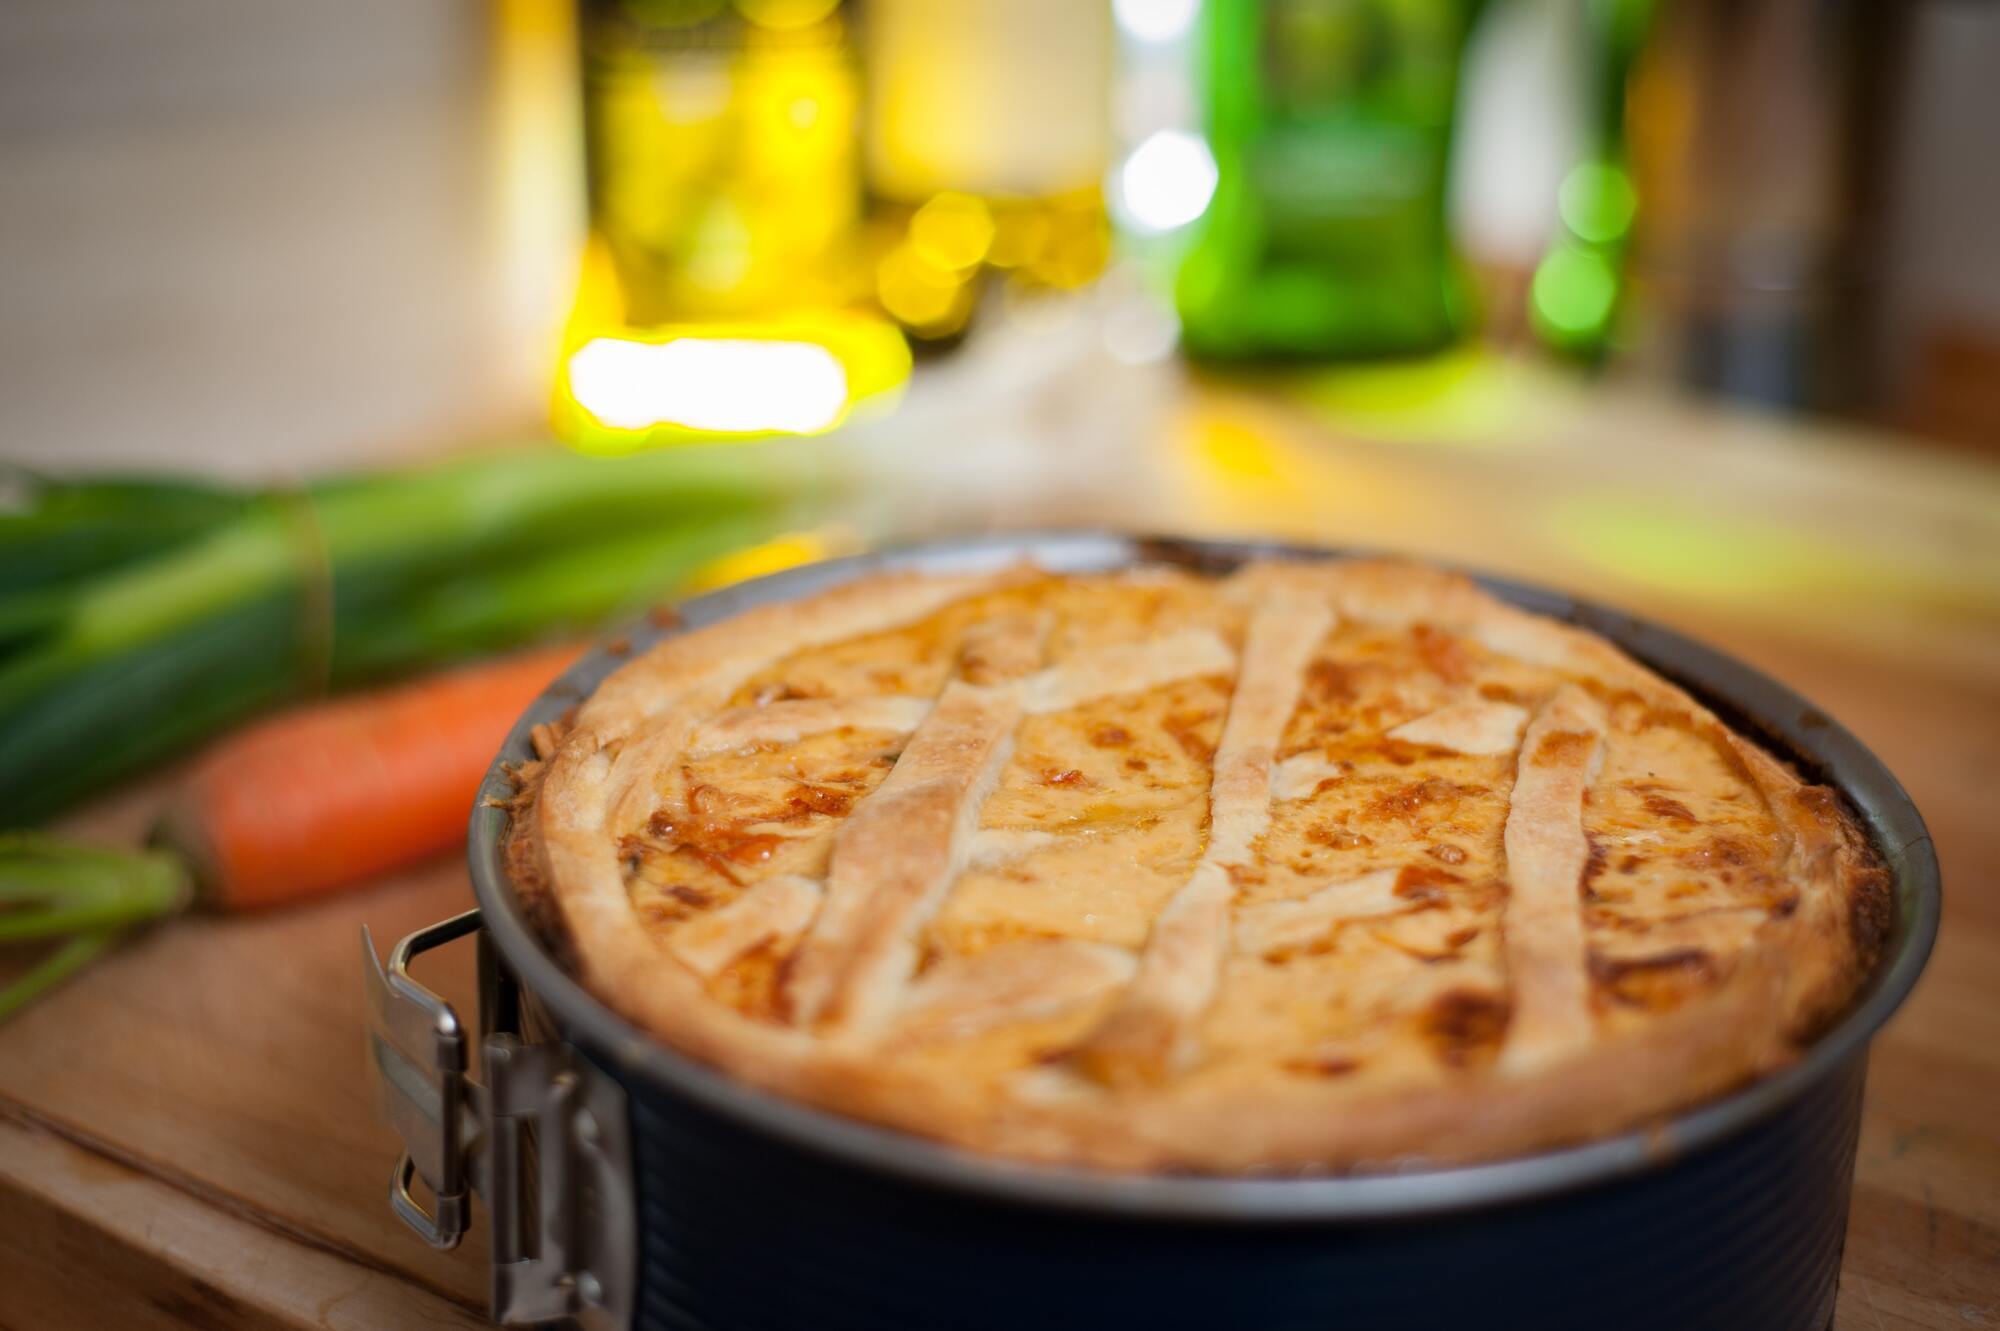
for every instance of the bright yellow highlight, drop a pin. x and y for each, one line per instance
(629, 389)
(952, 231)
(931, 299)
(773, 556)
(726, 385)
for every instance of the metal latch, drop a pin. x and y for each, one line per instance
(542, 1140)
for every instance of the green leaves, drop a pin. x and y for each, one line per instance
(50, 887)
(53, 889)
(139, 617)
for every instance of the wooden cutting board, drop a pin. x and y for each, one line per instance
(187, 1136)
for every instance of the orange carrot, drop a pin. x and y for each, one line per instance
(336, 791)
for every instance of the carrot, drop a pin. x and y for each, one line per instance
(333, 792)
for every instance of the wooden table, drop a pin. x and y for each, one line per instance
(186, 1135)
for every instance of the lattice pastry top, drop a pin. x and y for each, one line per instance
(1310, 866)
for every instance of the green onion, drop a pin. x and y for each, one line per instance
(140, 617)
(52, 889)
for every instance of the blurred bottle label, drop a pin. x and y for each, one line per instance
(724, 176)
(989, 97)
(986, 134)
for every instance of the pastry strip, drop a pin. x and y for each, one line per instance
(1270, 925)
(792, 719)
(999, 845)
(895, 858)
(1468, 727)
(1128, 668)
(1018, 981)
(1301, 775)
(775, 909)
(1148, 1031)
(1542, 922)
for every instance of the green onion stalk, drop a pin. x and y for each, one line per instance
(139, 617)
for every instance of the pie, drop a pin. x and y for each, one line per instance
(1309, 866)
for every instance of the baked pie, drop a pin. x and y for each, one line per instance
(1310, 866)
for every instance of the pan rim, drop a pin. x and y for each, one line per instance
(1758, 706)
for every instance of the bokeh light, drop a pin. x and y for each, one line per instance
(1167, 181)
(952, 231)
(1156, 20)
(1573, 293)
(731, 386)
(1597, 202)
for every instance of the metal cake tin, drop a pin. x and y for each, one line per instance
(629, 1186)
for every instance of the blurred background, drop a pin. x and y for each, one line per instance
(340, 342)
(362, 361)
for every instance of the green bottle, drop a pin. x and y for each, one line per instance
(1330, 121)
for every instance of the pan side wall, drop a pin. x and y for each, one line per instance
(739, 1231)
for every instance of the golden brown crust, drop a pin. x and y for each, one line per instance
(1599, 1027)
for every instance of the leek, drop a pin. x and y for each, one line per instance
(140, 617)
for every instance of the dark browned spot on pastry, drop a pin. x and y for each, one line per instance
(1593, 866)
(1402, 752)
(1422, 882)
(1819, 801)
(1322, 1065)
(809, 799)
(1870, 913)
(1189, 730)
(1631, 863)
(1463, 1026)
(1611, 695)
(657, 912)
(1067, 776)
(688, 895)
(1499, 693)
(1330, 682)
(752, 983)
(782, 692)
(707, 858)
(1663, 806)
(1442, 654)
(1429, 956)
(1655, 984)
(1405, 801)
(1336, 835)
(1446, 853)
(1245, 875)
(1482, 894)
(1562, 746)
(1719, 852)
(1108, 736)
(1313, 947)
(1137, 765)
